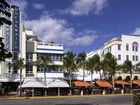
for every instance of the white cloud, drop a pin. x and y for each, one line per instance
(22, 4)
(49, 28)
(137, 31)
(84, 7)
(88, 36)
(38, 6)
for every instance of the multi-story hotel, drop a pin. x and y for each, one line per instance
(127, 47)
(35, 48)
(14, 39)
(15, 42)
(25, 44)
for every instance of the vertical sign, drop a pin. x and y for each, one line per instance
(16, 28)
(7, 38)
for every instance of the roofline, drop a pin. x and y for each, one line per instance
(131, 34)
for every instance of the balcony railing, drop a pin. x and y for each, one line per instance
(29, 75)
(12, 77)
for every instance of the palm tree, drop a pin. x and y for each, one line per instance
(18, 64)
(81, 59)
(43, 62)
(10, 65)
(98, 64)
(69, 64)
(92, 64)
(127, 67)
(137, 66)
(110, 65)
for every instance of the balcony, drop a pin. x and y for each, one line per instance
(29, 75)
(10, 77)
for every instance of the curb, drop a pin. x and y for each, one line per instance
(76, 96)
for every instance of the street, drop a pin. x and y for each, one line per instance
(91, 100)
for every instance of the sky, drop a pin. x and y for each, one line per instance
(80, 25)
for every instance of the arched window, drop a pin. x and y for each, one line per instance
(135, 46)
(127, 47)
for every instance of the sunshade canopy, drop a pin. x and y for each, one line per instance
(81, 84)
(137, 82)
(32, 83)
(103, 83)
(121, 82)
(39, 83)
(52, 83)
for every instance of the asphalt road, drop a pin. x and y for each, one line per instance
(93, 100)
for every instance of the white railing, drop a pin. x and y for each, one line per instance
(10, 76)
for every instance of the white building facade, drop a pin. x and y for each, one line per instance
(15, 42)
(127, 47)
(35, 48)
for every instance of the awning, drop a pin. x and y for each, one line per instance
(121, 82)
(81, 84)
(39, 83)
(137, 82)
(32, 83)
(54, 83)
(103, 83)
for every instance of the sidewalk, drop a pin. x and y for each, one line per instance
(72, 96)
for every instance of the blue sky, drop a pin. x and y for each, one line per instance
(81, 25)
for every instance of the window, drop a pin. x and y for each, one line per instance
(136, 58)
(127, 47)
(110, 48)
(133, 58)
(135, 46)
(40, 69)
(29, 57)
(119, 57)
(29, 70)
(119, 47)
(57, 57)
(15, 55)
(127, 57)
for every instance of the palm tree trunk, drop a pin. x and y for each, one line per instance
(91, 80)
(131, 84)
(100, 74)
(20, 82)
(113, 84)
(83, 74)
(91, 77)
(70, 83)
(45, 83)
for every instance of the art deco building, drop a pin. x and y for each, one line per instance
(34, 49)
(15, 42)
(127, 47)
